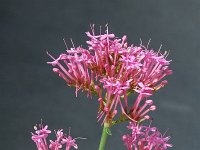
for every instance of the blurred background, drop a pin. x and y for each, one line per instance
(29, 90)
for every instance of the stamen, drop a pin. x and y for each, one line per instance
(50, 55)
(65, 43)
(69, 130)
(72, 43)
(159, 49)
(148, 43)
(140, 42)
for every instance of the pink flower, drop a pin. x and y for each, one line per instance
(69, 142)
(145, 138)
(112, 69)
(56, 145)
(40, 137)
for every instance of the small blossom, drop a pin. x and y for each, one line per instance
(145, 137)
(40, 138)
(69, 142)
(55, 145)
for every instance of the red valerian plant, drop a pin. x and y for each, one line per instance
(113, 70)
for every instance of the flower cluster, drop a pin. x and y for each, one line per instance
(145, 138)
(112, 69)
(40, 139)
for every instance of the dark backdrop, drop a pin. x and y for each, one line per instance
(29, 90)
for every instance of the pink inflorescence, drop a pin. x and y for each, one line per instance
(145, 138)
(40, 139)
(112, 69)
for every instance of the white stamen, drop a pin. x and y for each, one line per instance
(50, 55)
(100, 29)
(159, 48)
(69, 130)
(65, 43)
(72, 43)
(148, 43)
(80, 138)
(167, 54)
(140, 42)
(92, 28)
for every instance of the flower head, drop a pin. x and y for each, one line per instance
(113, 69)
(40, 138)
(146, 138)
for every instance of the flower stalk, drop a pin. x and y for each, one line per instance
(104, 136)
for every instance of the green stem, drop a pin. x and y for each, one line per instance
(104, 136)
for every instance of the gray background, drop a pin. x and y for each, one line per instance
(29, 90)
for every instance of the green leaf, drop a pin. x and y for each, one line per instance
(108, 131)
